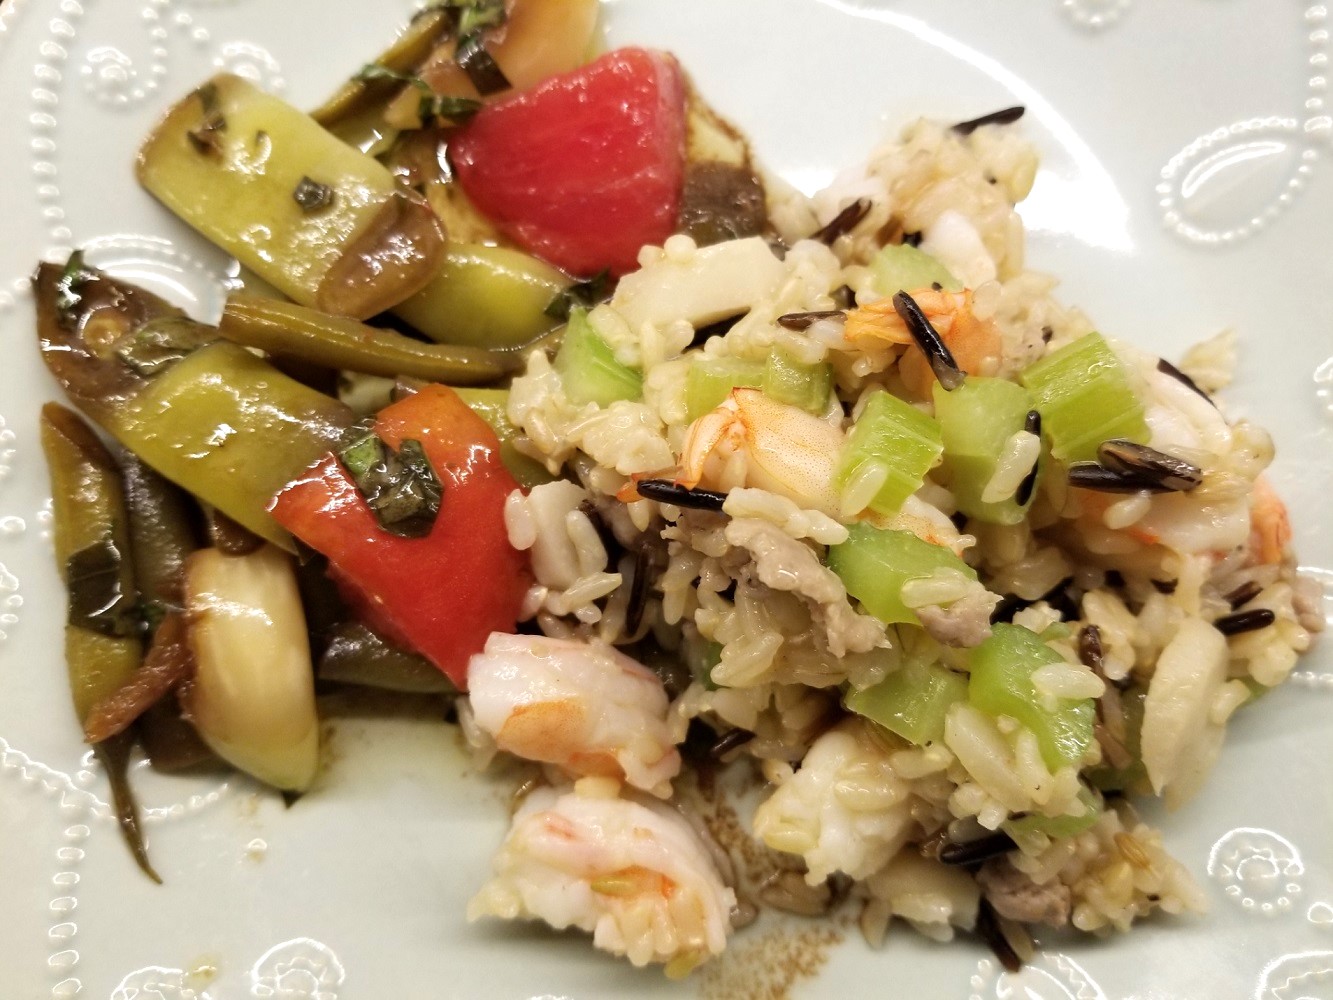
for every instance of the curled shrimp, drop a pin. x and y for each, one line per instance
(975, 343)
(634, 874)
(584, 707)
(750, 440)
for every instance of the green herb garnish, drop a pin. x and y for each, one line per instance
(98, 597)
(456, 110)
(312, 195)
(400, 486)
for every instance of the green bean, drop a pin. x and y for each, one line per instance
(285, 328)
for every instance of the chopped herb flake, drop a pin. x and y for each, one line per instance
(312, 195)
(400, 487)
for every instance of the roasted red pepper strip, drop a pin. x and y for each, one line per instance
(442, 594)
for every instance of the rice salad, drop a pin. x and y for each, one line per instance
(954, 603)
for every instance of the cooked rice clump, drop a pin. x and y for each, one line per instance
(759, 634)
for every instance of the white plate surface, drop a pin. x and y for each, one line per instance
(1185, 188)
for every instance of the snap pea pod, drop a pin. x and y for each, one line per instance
(297, 331)
(102, 644)
(214, 419)
(322, 221)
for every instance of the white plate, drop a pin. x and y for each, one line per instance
(1184, 188)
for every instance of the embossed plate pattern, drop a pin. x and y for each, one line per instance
(1185, 187)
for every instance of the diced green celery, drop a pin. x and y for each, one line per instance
(897, 437)
(1058, 826)
(588, 367)
(1001, 684)
(911, 702)
(873, 565)
(1084, 397)
(492, 405)
(787, 380)
(904, 268)
(710, 381)
(976, 422)
(701, 656)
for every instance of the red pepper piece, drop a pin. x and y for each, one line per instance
(441, 594)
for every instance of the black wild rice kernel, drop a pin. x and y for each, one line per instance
(1140, 461)
(844, 222)
(988, 929)
(1245, 621)
(1032, 423)
(1005, 116)
(1165, 586)
(927, 338)
(731, 740)
(1244, 594)
(1090, 647)
(638, 589)
(974, 852)
(1167, 368)
(1091, 476)
(805, 320)
(665, 491)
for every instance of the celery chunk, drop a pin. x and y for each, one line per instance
(1058, 826)
(789, 381)
(873, 565)
(782, 378)
(710, 381)
(911, 702)
(1001, 684)
(1084, 397)
(588, 367)
(905, 268)
(895, 439)
(976, 422)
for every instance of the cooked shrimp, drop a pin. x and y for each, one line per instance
(1270, 528)
(975, 343)
(634, 874)
(582, 706)
(750, 440)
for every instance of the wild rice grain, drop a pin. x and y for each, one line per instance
(1245, 621)
(1005, 116)
(844, 222)
(928, 339)
(1140, 461)
(1167, 368)
(1244, 594)
(974, 852)
(664, 491)
(804, 320)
